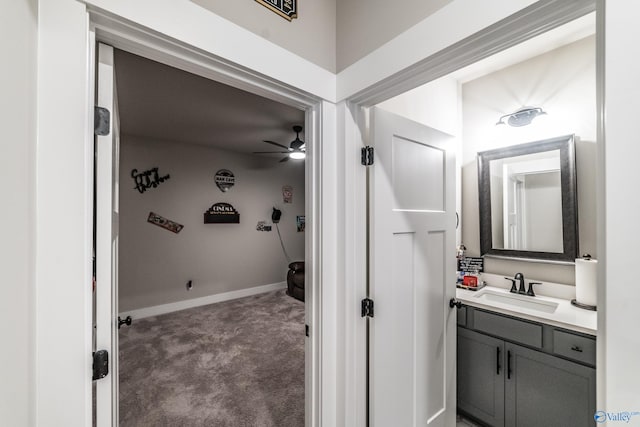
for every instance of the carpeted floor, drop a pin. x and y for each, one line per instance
(238, 363)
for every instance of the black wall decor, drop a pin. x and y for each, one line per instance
(471, 264)
(165, 223)
(224, 180)
(147, 179)
(221, 213)
(288, 9)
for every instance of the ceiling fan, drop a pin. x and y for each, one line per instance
(295, 150)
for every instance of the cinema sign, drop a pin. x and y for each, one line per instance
(221, 213)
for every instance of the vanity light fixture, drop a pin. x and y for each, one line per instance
(521, 117)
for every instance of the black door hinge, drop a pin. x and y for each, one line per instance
(367, 307)
(101, 121)
(306, 330)
(366, 156)
(100, 364)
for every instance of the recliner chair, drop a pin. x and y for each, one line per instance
(295, 280)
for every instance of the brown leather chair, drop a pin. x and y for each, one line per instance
(295, 280)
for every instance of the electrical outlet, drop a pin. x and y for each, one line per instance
(189, 285)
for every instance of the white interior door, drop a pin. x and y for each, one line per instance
(412, 274)
(107, 155)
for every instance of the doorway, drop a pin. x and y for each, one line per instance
(437, 96)
(290, 198)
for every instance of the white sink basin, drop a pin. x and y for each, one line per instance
(515, 300)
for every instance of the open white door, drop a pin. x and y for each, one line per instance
(106, 175)
(412, 274)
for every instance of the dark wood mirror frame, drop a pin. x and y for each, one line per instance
(566, 145)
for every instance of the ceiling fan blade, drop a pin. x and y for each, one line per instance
(286, 159)
(276, 144)
(270, 152)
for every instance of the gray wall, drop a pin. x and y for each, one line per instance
(155, 264)
(18, 44)
(561, 81)
(332, 34)
(312, 35)
(365, 25)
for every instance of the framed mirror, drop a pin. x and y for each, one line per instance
(528, 200)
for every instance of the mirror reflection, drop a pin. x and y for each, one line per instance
(528, 204)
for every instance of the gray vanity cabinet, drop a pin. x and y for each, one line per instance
(480, 376)
(518, 373)
(543, 390)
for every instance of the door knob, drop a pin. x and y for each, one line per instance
(455, 303)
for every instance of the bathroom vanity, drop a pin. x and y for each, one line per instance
(523, 364)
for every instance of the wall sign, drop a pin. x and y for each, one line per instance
(221, 213)
(471, 264)
(147, 179)
(262, 226)
(288, 9)
(165, 223)
(224, 180)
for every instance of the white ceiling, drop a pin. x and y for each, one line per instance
(546, 42)
(163, 103)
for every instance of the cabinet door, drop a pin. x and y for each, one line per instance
(480, 377)
(542, 390)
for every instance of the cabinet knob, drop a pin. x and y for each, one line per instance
(576, 348)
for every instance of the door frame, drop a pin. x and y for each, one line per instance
(353, 134)
(124, 35)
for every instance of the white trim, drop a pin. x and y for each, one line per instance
(602, 382)
(157, 310)
(319, 183)
(352, 256)
(618, 372)
(423, 40)
(194, 28)
(434, 48)
(63, 215)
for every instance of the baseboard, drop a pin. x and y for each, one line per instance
(197, 302)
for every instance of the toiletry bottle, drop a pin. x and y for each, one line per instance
(460, 255)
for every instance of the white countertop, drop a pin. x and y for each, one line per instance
(565, 316)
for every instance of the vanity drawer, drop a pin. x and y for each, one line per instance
(574, 347)
(510, 329)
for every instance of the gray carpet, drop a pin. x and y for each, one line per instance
(238, 363)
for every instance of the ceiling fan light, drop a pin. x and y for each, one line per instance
(297, 155)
